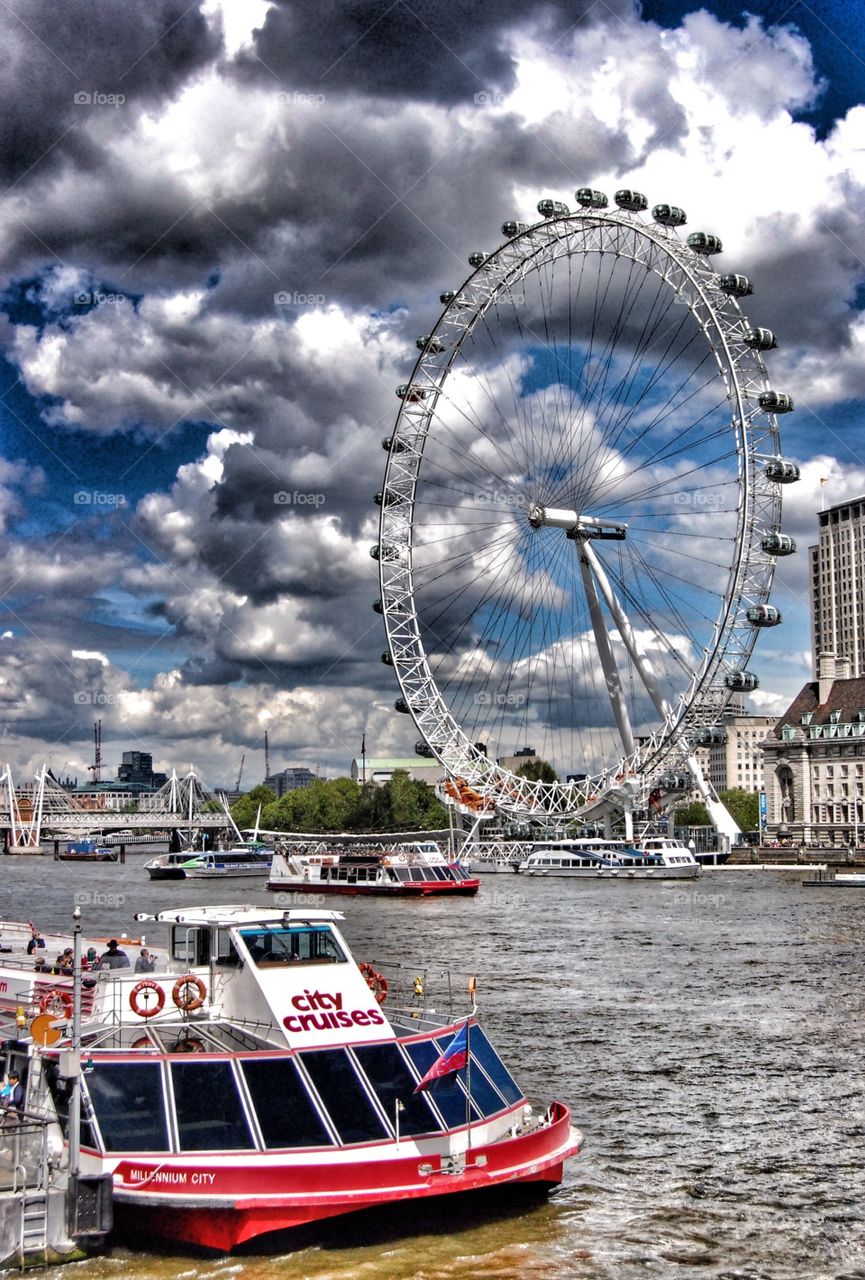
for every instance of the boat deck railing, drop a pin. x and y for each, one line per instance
(24, 1152)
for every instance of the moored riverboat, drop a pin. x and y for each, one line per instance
(411, 871)
(666, 844)
(87, 850)
(239, 861)
(600, 859)
(265, 1080)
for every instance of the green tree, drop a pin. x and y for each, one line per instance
(537, 771)
(692, 815)
(744, 807)
(244, 810)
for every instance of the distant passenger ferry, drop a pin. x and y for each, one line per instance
(609, 859)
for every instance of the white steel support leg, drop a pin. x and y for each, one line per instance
(639, 659)
(612, 675)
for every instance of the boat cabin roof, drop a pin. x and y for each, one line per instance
(231, 916)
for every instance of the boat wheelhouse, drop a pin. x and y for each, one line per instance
(598, 858)
(674, 849)
(266, 1080)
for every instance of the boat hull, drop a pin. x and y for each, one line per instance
(402, 889)
(228, 1214)
(625, 873)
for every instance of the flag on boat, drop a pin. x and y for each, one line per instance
(454, 1058)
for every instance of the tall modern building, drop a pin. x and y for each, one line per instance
(837, 577)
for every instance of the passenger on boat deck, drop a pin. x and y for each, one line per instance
(114, 958)
(64, 962)
(145, 963)
(15, 1100)
(91, 959)
(36, 940)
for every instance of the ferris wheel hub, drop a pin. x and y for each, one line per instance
(577, 526)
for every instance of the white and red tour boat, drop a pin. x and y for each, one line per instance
(263, 1080)
(410, 871)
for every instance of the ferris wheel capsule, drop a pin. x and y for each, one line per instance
(703, 242)
(781, 472)
(591, 199)
(633, 201)
(511, 229)
(759, 339)
(669, 215)
(553, 209)
(764, 615)
(778, 544)
(741, 681)
(477, 259)
(735, 286)
(712, 737)
(430, 343)
(775, 402)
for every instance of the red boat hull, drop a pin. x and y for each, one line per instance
(405, 889)
(245, 1202)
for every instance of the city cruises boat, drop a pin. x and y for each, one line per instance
(662, 844)
(412, 871)
(243, 860)
(87, 850)
(609, 860)
(840, 880)
(264, 1080)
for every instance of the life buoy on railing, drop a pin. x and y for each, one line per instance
(57, 1002)
(181, 993)
(189, 1044)
(376, 982)
(147, 998)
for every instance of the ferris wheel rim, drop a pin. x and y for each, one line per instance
(750, 574)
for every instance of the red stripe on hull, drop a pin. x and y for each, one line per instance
(417, 889)
(287, 1197)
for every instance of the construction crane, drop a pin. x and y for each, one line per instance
(266, 755)
(240, 772)
(96, 767)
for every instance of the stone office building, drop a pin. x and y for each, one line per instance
(814, 761)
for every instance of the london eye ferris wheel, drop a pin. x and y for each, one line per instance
(580, 513)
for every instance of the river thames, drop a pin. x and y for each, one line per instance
(708, 1038)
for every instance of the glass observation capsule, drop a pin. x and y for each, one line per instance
(386, 552)
(763, 615)
(377, 606)
(675, 782)
(778, 544)
(412, 393)
(429, 343)
(742, 681)
(780, 471)
(511, 229)
(735, 286)
(393, 443)
(669, 215)
(705, 243)
(633, 201)
(711, 737)
(775, 402)
(590, 199)
(553, 209)
(393, 499)
(402, 707)
(387, 659)
(477, 259)
(759, 339)
(424, 749)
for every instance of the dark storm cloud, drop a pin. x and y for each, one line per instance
(60, 60)
(437, 51)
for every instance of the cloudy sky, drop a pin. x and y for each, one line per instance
(223, 226)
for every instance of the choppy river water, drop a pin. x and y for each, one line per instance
(708, 1037)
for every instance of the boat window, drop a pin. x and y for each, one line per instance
(226, 952)
(191, 945)
(285, 1111)
(210, 1114)
(127, 1098)
(60, 1089)
(394, 1084)
(304, 944)
(486, 1055)
(345, 1098)
(402, 873)
(447, 1092)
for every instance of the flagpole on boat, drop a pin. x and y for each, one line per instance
(473, 990)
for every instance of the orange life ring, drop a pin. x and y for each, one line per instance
(52, 999)
(377, 982)
(143, 1042)
(188, 1002)
(145, 1009)
(189, 1044)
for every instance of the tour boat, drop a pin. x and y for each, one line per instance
(601, 859)
(242, 860)
(418, 870)
(264, 1080)
(840, 880)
